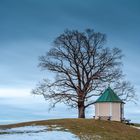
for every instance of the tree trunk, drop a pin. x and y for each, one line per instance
(81, 110)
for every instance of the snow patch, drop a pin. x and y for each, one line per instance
(35, 133)
(136, 127)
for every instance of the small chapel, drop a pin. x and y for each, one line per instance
(109, 106)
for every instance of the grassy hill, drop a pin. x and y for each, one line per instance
(90, 129)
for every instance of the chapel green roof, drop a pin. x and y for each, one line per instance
(109, 96)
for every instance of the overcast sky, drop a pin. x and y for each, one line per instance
(28, 28)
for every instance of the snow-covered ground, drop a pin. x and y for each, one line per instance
(136, 127)
(35, 133)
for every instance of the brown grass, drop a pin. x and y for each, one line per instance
(104, 130)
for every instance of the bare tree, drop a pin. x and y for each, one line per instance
(125, 90)
(83, 68)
